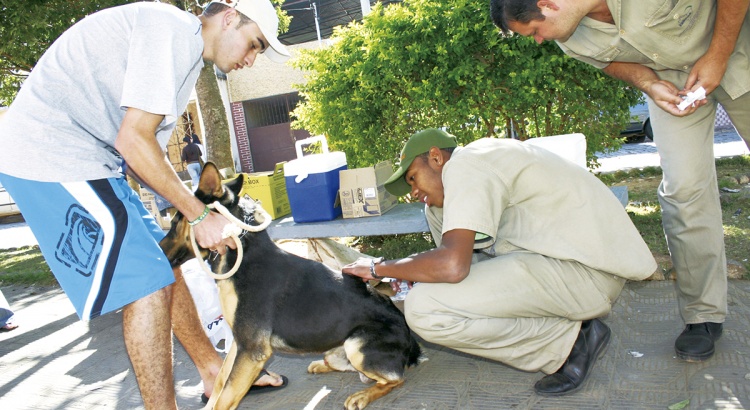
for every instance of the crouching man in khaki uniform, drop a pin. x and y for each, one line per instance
(531, 250)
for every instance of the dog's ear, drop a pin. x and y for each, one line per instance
(236, 184)
(210, 182)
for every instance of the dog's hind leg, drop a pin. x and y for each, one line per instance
(334, 360)
(385, 380)
(246, 368)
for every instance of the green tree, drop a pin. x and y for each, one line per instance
(28, 28)
(426, 63)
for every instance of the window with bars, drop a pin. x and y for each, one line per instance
(272, 110)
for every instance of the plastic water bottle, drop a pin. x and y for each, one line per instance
(401, 294)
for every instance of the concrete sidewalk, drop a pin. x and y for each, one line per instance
(55, 361)
(727, 143)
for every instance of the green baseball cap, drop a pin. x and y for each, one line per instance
(417, 144)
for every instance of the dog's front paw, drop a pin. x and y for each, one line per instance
(357, 401)
(318, 366)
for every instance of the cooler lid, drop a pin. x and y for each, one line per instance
(300, 168)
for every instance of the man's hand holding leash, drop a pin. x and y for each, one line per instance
(209, 233)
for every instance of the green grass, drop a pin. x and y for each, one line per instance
(395, 246)
(24, 266)
(27, 267)
(645, 211)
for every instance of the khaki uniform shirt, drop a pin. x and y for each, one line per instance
(666, 36)
(526, 198)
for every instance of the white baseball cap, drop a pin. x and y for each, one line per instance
(263, 13)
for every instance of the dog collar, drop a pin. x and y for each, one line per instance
(231, 233)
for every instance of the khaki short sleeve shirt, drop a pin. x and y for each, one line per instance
(668, 36)
(526, 198)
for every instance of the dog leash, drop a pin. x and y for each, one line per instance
(232, 230)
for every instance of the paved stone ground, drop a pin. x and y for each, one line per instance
(55, 361)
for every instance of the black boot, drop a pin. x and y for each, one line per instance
(696, 343)
(592, 340)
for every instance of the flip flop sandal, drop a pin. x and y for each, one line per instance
(258, 389)
(11, 326)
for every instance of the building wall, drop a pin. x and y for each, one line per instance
(264, 79)
(243, 140)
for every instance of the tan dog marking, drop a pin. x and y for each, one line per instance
(334, 360)
(228, 299)
(244, 370)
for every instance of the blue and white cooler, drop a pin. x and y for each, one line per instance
(312, 183)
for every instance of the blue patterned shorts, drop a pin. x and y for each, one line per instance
(98, 239)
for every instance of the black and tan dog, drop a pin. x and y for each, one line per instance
(278, 301)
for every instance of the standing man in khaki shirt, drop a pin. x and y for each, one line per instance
(667, 49)
(555, 252)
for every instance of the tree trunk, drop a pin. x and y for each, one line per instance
(215, 124)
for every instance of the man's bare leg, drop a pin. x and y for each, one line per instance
(188, 328)
(148, 339)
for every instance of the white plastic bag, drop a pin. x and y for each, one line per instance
(206, 296)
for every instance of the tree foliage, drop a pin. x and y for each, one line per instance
(426, 63)
(28, 28)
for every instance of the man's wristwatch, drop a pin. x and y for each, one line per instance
(373, 262)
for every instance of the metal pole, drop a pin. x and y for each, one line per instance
(365, 4)
(317, 26)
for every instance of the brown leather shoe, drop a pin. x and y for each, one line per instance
(591, 342)
(696, 342)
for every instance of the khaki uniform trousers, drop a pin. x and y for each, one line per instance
(689, 198)
(521, 308)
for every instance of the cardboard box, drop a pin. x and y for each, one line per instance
(363, 193)
(149, 201)
(270, 189)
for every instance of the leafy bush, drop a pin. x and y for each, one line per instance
(423, 63)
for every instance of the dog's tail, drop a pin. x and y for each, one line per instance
(415, 352)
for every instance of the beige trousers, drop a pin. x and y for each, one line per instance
(522, 309)
(689, 198)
